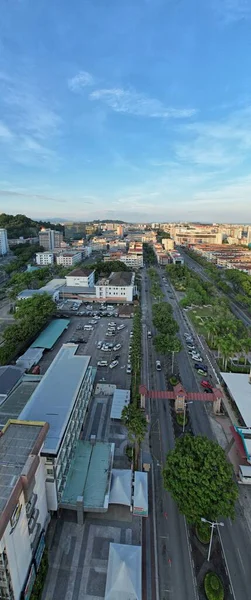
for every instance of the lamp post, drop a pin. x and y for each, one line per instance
(184, 418)
(212, 525)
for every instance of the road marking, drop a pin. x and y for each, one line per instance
(227, 567)
(241, 561)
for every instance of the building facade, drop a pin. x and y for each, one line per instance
(80, 278)
(4, 246)
(44, 259)
(118, 287)
(24, 514)
(62, 396)
(69, 259)
(50, 238)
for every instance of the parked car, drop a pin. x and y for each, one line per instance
(128, 369)
(117, 347)
(99, 345)
(206, 384)
(158, 365)
(117, 356)
(120, 327)
(102, 363)
(201, 367)
(111, 324)
(201, 372)
(197, 358)
(113, 364)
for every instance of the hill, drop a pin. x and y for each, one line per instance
(21, 226)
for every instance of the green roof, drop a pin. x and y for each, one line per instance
(50, 335)
(89, 476)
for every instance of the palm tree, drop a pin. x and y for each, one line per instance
(135, 421)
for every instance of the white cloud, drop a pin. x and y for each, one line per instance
(133, 103)
(5, 132)
(81, 80)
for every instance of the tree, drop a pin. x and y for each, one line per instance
(200, 479)
(135, 421)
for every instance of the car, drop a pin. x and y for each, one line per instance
(110, 333)
(201, 367)
(117, 356)
(120, 327)
(113, 364)
(206, 384)
(158, 365)
(131, 334)
(201, 372)
(190, 351)
(197, 358)
(191, 347)
(99, 345)
(111, 324)
(128, 369)
(117, 347)
(186, 334)
(194, 355)
(102, 363)
(105, 349)
(92, 322)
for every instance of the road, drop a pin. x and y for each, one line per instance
(235, 307)
(167, 535)
(235, 536)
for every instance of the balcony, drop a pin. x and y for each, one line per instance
(30, 505)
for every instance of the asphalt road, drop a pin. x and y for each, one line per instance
(235, 535)
(172, 552)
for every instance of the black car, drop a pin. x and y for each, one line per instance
(202, 367)
(116, 357)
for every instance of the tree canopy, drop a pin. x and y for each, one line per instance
(200, 479)
(21, 226)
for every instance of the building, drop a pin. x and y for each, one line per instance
(24, 514)
(50, 238)
(168, 243)
(118, 287)
(61, 398)
(9, 378)
(22, 240)
(120, 230)
(44, 258)
(69, 259)
(80, 278)
(4, 246)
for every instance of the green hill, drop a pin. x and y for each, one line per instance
(21, 226)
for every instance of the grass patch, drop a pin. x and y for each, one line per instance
(199, 316)
(173, 380)
(180, 419)
(213, 586)
(203, 532)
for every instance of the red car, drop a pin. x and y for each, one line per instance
(206, 384)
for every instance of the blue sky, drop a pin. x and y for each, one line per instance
(131, 109)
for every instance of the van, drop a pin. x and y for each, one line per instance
(88, 328)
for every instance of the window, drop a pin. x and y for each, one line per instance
(50, 472)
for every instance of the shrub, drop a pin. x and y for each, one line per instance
(213, 587)
(40, 579)
(180, 418)
(173, 380)
(203, 532)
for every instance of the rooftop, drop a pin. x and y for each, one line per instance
(90, 476)
(17, 400)
(79, 289)
(119, 278)
(55, 396)
(9, 376)
(80, 273)
(240, 390)
(18, 441)
(50, 335)
(121, 398)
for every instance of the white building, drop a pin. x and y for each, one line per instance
(118, 287)
(4, 246)
(44, 258)
(50, 238)
(69, 259)
(80, 278)
(133, 260)
(61, 399)
(24, 515)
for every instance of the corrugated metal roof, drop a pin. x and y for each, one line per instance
(50, 335)
(55, 396)
(121, 398)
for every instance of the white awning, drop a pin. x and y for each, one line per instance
(140, 502)
(124, 573)
(121, 487)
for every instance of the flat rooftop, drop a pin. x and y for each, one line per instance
(240, 390)
(50, 335)
(90, 476)
(54, 398)
(15, 403)
(16, 444)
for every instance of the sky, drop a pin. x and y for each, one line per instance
(131, 109)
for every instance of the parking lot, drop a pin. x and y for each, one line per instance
(88, 345)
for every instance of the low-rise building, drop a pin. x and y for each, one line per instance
(80, 278)
(69, 259)
(119, 287)
(24, 514)
(44, 258)
(62, 399)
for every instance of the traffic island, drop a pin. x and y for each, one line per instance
(213, 586)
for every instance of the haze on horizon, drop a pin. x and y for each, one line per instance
(139, 111)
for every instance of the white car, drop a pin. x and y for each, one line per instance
(105, 349)
(99, 345)
(113, 364)
(158, 365)
(131, 334)
(120, 327)
(112, 324)
(117, 347)
(197, 358)
(102, 363)
(129, 369)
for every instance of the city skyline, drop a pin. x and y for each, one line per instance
(139, 112)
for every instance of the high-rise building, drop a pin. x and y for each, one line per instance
(50, 238)
(4, 246)
(120, 230)
(249, 235)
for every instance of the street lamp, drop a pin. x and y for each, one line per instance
(184, 418)
(212, 525)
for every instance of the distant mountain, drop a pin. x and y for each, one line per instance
(21, 226)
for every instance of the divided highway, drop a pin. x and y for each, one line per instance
(168, 533)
